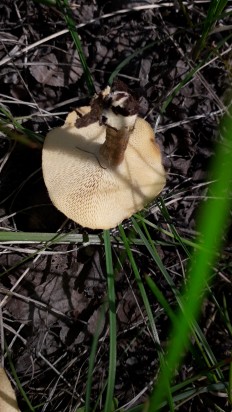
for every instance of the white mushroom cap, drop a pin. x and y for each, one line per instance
(90, 194)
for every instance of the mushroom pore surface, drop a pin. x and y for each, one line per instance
(84, 189)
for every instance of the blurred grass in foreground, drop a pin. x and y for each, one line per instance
(212, 221)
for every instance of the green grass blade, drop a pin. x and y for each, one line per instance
(212, 222)
(84, 239)
(92, 359)
(141, 287)
(31, 256)
(215, 9)
(185, 12)
(154, 254)
(19, 386)
(201, 341)
(19, 133)
(161, 299)
(225, 314)
(148, 311)
(127, 60)
(64, 7)
(176, 235)
(112, 318)
(172, 235)
(189, 76)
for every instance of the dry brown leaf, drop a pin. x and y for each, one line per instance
(47, 71)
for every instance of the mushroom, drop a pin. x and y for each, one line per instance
(103, 164)
(8, 402)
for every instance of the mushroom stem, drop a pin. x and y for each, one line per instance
(117, 111)
(111, 152)
(118, 115)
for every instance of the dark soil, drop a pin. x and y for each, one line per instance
(50, 323)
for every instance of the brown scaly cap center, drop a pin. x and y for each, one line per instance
(117, 111)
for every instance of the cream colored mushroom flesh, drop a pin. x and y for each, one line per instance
(8, 402)
(103, 164)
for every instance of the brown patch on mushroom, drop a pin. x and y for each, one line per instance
(111, 153)
(93, 115)
(100, 174)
